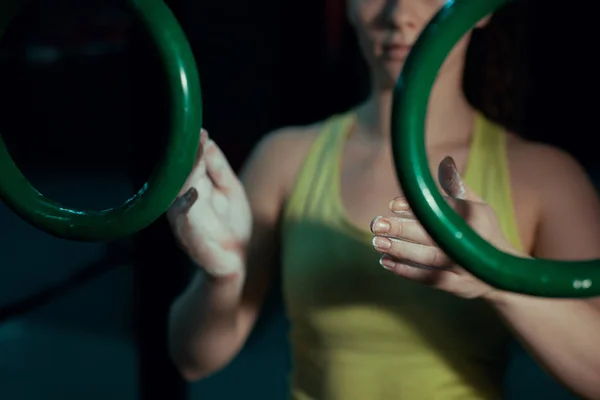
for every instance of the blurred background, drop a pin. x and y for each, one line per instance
(84, 111)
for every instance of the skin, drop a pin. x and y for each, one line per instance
(230, 226)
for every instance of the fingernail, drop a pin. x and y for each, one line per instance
(399, 205)
(460, 186)
(191, 195)
(387, 263)
(380, 225)
(187, 200)
(451, 180)
(381, 243)
(449, 160)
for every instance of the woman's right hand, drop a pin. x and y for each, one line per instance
(211, 218)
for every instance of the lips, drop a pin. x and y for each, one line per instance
(396, 52)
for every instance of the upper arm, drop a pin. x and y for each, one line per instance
(266, 177)
(569, 218)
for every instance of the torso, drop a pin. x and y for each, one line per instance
(356, 330)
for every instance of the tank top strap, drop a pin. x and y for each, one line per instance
(488, 174)
(316, 181)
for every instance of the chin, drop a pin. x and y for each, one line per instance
(387, 80)
(391, 70)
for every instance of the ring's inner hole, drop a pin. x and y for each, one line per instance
(85, 107)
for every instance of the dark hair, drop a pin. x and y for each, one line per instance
(496, 68)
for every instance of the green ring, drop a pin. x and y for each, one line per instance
(547, 278)
(172, 170)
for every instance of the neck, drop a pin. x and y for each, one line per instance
(446, 103)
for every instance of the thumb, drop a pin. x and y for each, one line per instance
(452, 182)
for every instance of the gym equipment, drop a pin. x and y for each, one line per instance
(171, 171)
(546, 278)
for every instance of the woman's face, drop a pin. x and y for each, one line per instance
(387, 29)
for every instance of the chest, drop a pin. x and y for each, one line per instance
(368, 180)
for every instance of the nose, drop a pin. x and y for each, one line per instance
(400, 14)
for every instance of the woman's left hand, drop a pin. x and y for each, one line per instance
(408, 251)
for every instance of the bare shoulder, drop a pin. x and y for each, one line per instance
(551, 180)
(278, 156)
(547, 169)
(554, 199)
(286, 147)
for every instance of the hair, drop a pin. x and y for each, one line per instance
(496, 67)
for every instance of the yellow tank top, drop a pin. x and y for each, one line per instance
(360, 333)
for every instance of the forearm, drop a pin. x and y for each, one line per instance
(203, 334)
(563, 335)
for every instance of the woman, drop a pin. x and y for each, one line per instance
(305, 203)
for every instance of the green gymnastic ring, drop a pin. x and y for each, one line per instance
(167, 179)
(547, 278)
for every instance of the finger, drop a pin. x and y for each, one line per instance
(462, 207)
(218, 168)
(413, 272)
(203, 139)
(401, 228)
(198, 170)
(430, 256)
(183, 203)
(401, 207)
(201, 145)
(452, 183)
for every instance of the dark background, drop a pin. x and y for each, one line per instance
(83, 113)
